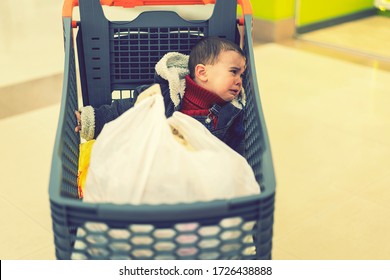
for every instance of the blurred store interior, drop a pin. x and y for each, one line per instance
(323, 70)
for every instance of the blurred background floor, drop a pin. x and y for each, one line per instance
(326, 110)
(368, 36)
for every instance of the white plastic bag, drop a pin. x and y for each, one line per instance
(143, 157)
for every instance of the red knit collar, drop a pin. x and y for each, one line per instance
(200, 97)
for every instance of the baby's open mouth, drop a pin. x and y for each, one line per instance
(235, 91)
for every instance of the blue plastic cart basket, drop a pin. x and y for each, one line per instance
(115, 57)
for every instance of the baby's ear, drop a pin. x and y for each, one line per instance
(201, 72)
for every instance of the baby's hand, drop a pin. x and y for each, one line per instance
(78, 117)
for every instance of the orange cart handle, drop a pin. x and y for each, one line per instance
(67, 9)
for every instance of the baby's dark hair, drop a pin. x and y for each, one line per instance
(207, 50)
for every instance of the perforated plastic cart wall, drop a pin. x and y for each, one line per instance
(115, 57)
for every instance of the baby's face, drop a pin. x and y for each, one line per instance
(224, 78)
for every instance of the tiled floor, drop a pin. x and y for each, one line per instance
(371, 29)
(328, 126)
(328, 121)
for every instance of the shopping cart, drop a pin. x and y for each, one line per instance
(114, 57)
